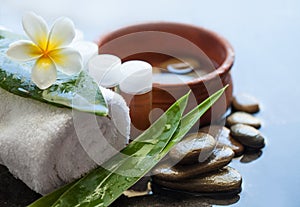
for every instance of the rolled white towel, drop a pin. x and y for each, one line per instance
(46, 146)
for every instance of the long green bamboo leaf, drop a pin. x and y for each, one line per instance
(109, 186)
(107, 183)
(122, 167)
(51, 198)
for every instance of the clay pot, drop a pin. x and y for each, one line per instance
(156, 42)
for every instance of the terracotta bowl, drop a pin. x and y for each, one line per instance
(156, 42)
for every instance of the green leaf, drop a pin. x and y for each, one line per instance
(79, 92)
(107, 183)
(125, 168)
(49, 199)
(188, 121)
(104, 185)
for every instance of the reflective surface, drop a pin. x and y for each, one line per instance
(265, 35)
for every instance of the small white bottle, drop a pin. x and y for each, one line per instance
(136, 88)
(105, 69)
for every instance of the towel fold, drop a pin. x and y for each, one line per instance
(47, 146)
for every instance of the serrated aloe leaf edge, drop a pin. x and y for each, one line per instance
(102, 186)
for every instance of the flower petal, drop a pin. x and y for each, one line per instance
(23, 50)
(44, 73)
(61, 34)
(67, 60)
(36, 29)
(78, 36)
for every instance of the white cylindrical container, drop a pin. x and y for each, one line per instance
(136, 88)
(105, 69)
(137, 77)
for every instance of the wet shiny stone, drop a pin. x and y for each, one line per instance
(246, 103)
(194, 148)
(243, 118)
(220, 157)
(223, 138)
(248, 136)
(225, 179)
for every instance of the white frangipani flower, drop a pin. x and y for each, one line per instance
(49, 49)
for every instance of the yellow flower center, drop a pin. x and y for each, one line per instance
(45, 53)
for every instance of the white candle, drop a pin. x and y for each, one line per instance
(105, 69)
(137, 77)
(136, 87)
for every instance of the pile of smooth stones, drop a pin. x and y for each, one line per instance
(199, 163)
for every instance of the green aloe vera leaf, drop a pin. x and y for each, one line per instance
(124, 169)
(118, 165)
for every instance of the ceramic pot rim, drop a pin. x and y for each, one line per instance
(223, 68)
